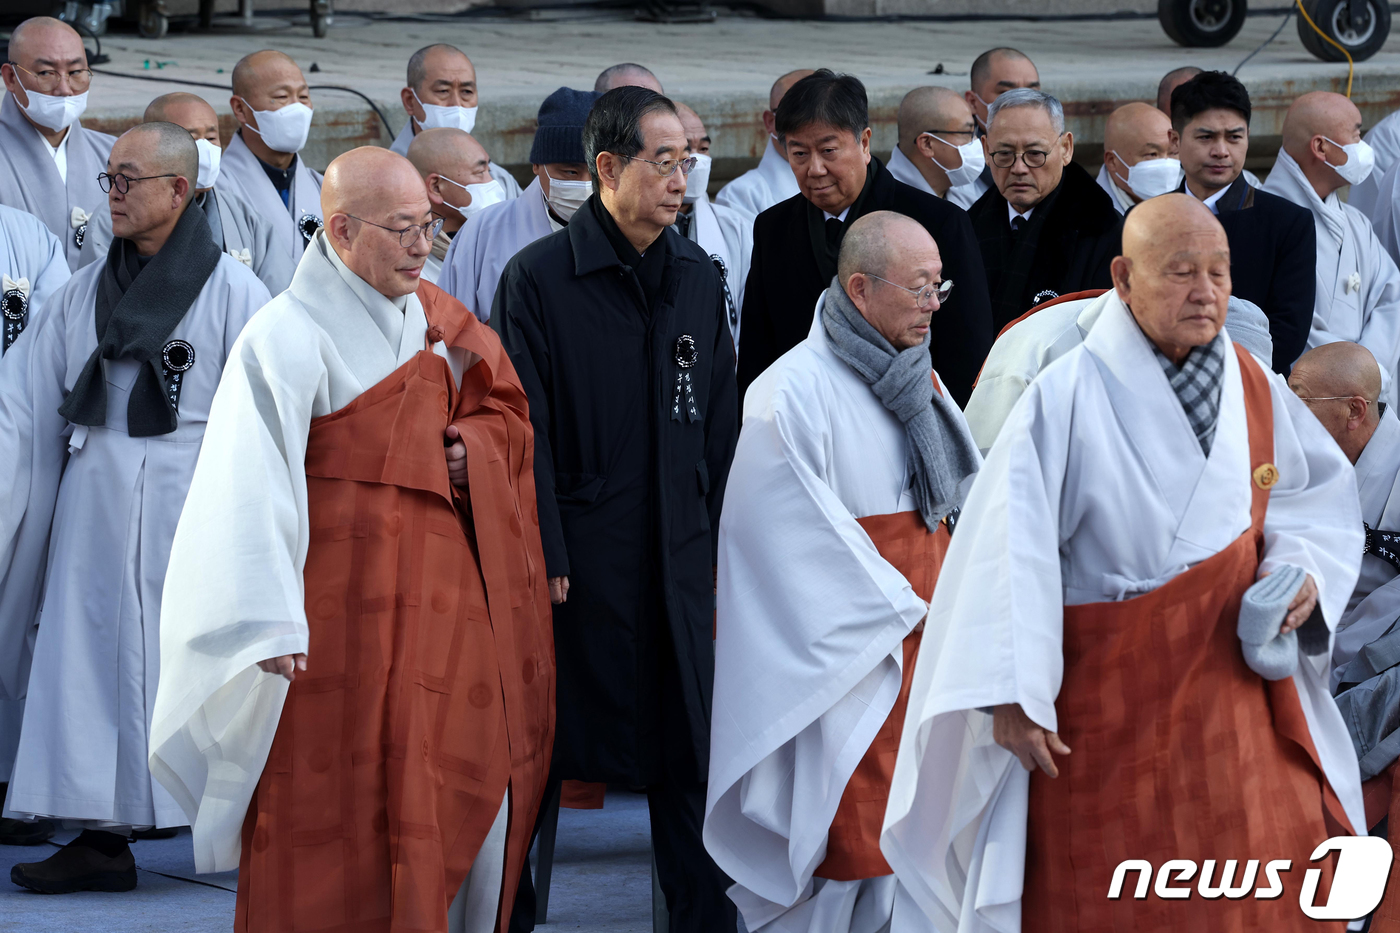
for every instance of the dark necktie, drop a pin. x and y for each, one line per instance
(1383, 544)
(835, 231)
(1017, 223)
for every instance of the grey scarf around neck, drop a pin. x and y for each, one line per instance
(942, 454)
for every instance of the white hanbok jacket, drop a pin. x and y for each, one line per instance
(1095, 490)
(760, 188)
(472, 268)
(1384, 138)
(242, 173)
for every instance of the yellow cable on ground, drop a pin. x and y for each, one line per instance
(1351, 66)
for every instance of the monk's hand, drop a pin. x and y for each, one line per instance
(1302, 606)
(287, 665)
(558, 589)
(1016, 732)
(456, 452)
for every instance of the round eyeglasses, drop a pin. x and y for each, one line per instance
(408, 235)
(122, 182)
(1034, 158)
(48, 80)
(922, 296)
(667, 167)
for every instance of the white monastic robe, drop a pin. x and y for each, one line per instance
(811, 623)
(760, 188)
(242, 173)
(1358, 284)
(243, 234)
(30, 181)
(1384, 138)
(31, 263)
(1096, 490)
(108, 522)
(312, 350)
(903, 169)
(487, 241)
(405, 138)
(1375, 603)
(1122, 201)
(965, 196)
(1033, 343)
(727, 233)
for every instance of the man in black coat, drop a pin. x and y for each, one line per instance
(823, 122)
(1273, 243)
(617, 327)
(1047, 229)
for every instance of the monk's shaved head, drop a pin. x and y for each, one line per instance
(927, 109)
(159, 148)
(627, 74)
(1131, 124)
(884, 257)
(1174, 274)
(1170, 82)
(43, 38)
(691, 122)
(447, 151)
(780, 87)
(873, 240)
(1319, 113)
(257, 70)
(1341, 385)
(369, 195)
(164, 159)
(179, 102)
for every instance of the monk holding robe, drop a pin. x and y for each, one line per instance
(358, 708)
(1088, 620)
(850, 458)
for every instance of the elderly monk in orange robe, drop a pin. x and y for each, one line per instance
(358, 707)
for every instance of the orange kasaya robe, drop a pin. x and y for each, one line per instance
(429, 686)
(1178, 751)
(853, 842)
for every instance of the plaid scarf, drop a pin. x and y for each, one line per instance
(1197, 386)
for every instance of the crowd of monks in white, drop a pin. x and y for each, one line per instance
(967, 661)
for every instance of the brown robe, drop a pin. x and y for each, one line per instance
(1178, 751)
(430, 676)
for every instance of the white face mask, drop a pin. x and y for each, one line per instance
(1361, 159)
(973, 161)
(698, 181)
(981, 121)
(1152, 177)
(209, 156)
(283, 130)
(483, 195)
(50, 112)
(436, 117)
(567, 195)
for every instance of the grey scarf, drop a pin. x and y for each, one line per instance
(942, 453)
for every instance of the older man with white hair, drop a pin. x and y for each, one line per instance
(49, 161)
(850, 458)
(1147, 571)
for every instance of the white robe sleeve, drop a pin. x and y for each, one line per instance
(808, 657)
(234, 591)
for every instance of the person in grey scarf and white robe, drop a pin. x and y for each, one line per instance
(850, 458)
(102, 409)
(237, 229)
(1358, 284)
(48, 161)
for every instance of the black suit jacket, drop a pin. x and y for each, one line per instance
(785, 281)
(1273, 263)
(1067, 246)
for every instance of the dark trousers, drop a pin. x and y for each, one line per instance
(693, 885)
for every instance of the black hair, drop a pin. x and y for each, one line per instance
(823, 97)
(1209, 90)
(615, 124)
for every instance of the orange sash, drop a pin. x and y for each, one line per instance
(853, 842)
(430, 680)
(1179, 750)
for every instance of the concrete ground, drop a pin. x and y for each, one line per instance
(723, 69)
(602, 884)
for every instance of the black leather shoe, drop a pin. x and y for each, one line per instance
(169, 832)
(77, 868)
(25, 832)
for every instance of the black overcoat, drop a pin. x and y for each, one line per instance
(786, 277)
(629, 490)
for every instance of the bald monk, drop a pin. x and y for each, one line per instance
(262, 165)
(457, 172)
(1358, 285)
(237, 229)
(938, 148)
(771, 180)
(1089, 603)
(1138, 136)
(103, 403)
(359, 707)
(48, 160)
